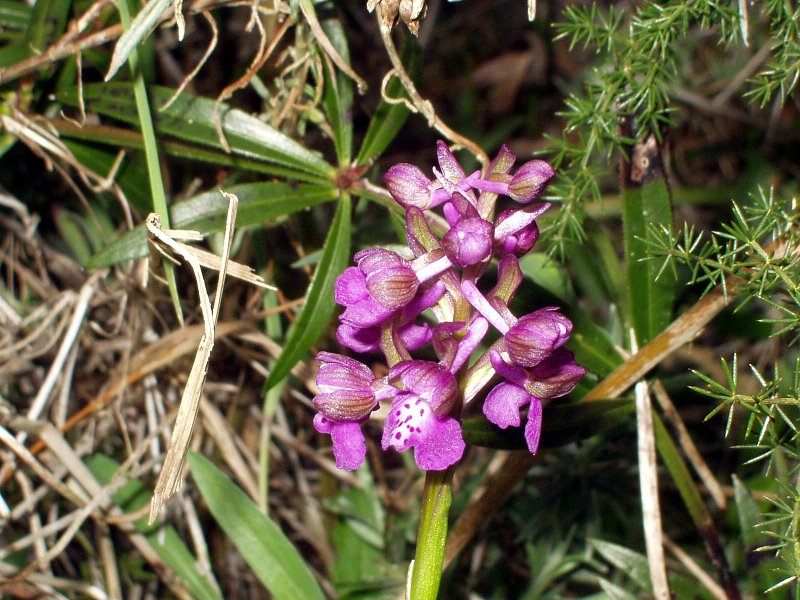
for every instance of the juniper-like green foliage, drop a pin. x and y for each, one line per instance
(637, 74)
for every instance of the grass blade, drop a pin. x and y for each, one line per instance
(192, 118)
(338, 95)
(646, 203)
(135, 33)
(165, 540)
(273, 558)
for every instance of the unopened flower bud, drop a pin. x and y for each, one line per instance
(408, 185)
(530, 180)
(390, 278)
(469, 241)
(345, 388)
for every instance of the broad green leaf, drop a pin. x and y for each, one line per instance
(749, 516)
(192, 118)
(206, 212)
(141, 26)
(679, 472)
(125, 138)
(762, 566)
(650, 294)
(361, 570)
(319, 305)
(258, 203)
(547, 563)
(273, 558)
(548, 274)
(14, 53)
(128, 246)
(71, 232)
(338, 94)
(389, 117)
(633, 564)
(612, 591)
(593, 347)
(164, 539)
(596, 267)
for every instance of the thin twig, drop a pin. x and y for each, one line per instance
(193, 73)
(424, 106)
(322, 39)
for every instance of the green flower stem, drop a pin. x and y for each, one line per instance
(432, 535)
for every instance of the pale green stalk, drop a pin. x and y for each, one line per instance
(432, 535)
(151, 153)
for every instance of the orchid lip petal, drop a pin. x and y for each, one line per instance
(533, 428)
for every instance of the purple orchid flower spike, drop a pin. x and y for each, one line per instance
(419, 416)
(385, 295)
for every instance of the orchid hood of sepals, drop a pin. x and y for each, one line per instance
(346, 388)
(371, 292)
(418, 417)
(502, 407)
(389, 277)
(432, 382)
(530, 180)
(413, 336)
(535, 336)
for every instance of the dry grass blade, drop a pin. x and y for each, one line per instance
(648, 482)
(92, 499)
(307, 9)
(171, 476)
